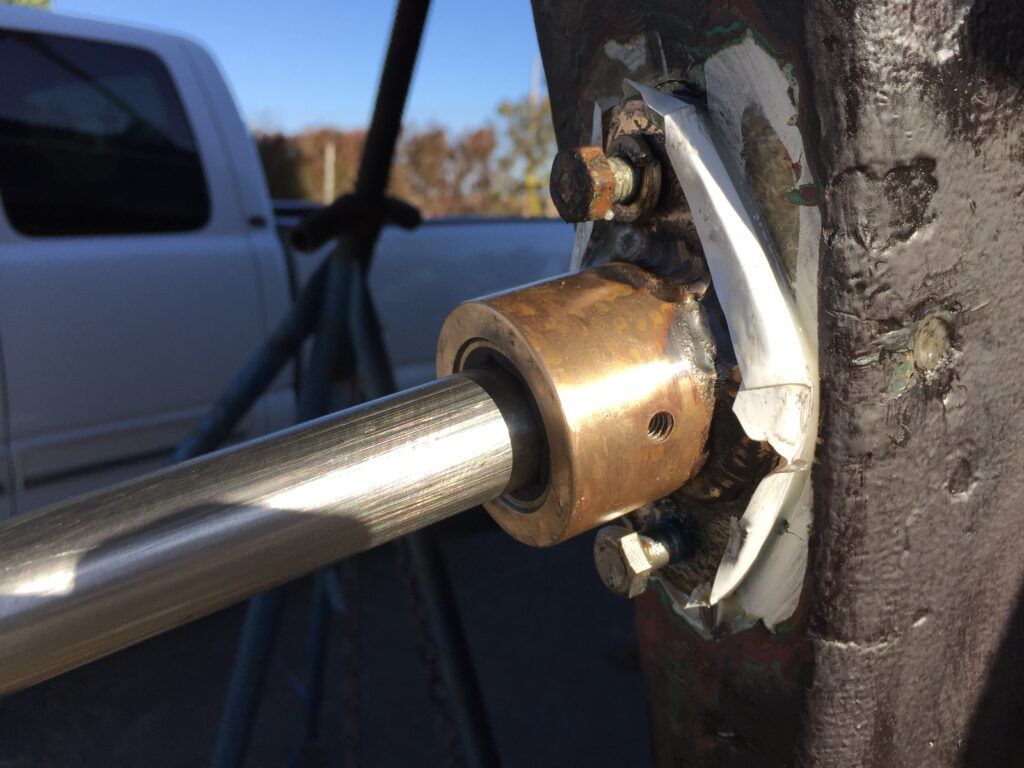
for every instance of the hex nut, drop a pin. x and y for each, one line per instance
(582, 184)
(622, 561)
(646, 169)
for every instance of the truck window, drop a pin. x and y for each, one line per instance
(94, 140)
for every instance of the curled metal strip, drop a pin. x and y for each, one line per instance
(777, 400)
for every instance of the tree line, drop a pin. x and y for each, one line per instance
(497, 169)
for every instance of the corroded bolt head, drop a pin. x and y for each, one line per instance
(583, 184)
(625, 560)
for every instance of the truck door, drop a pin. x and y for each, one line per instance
(128, 291)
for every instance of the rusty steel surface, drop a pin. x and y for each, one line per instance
(621, 367)
(734, 701)
(905, 648)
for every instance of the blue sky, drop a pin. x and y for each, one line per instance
(316, 62)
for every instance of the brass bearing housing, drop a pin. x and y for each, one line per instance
(620, 366)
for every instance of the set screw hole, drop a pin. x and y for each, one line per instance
(660, 426)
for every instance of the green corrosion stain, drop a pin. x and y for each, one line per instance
(902, 375)
(720, 37)
(785, 629)
(805, 194)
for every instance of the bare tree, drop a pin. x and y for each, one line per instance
(528, 144)
(282, 166)
(421, 174)
(439, 173)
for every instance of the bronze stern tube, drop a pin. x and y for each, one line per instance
(563, 405)
(621, 372)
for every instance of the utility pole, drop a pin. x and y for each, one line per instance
(535, 76)
(330, 151)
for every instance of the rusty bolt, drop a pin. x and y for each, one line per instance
(626, 559)
(586, 183)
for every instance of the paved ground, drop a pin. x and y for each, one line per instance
(555, 655)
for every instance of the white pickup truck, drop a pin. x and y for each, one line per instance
(140, 265)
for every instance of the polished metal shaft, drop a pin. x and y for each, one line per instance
(84, 578)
